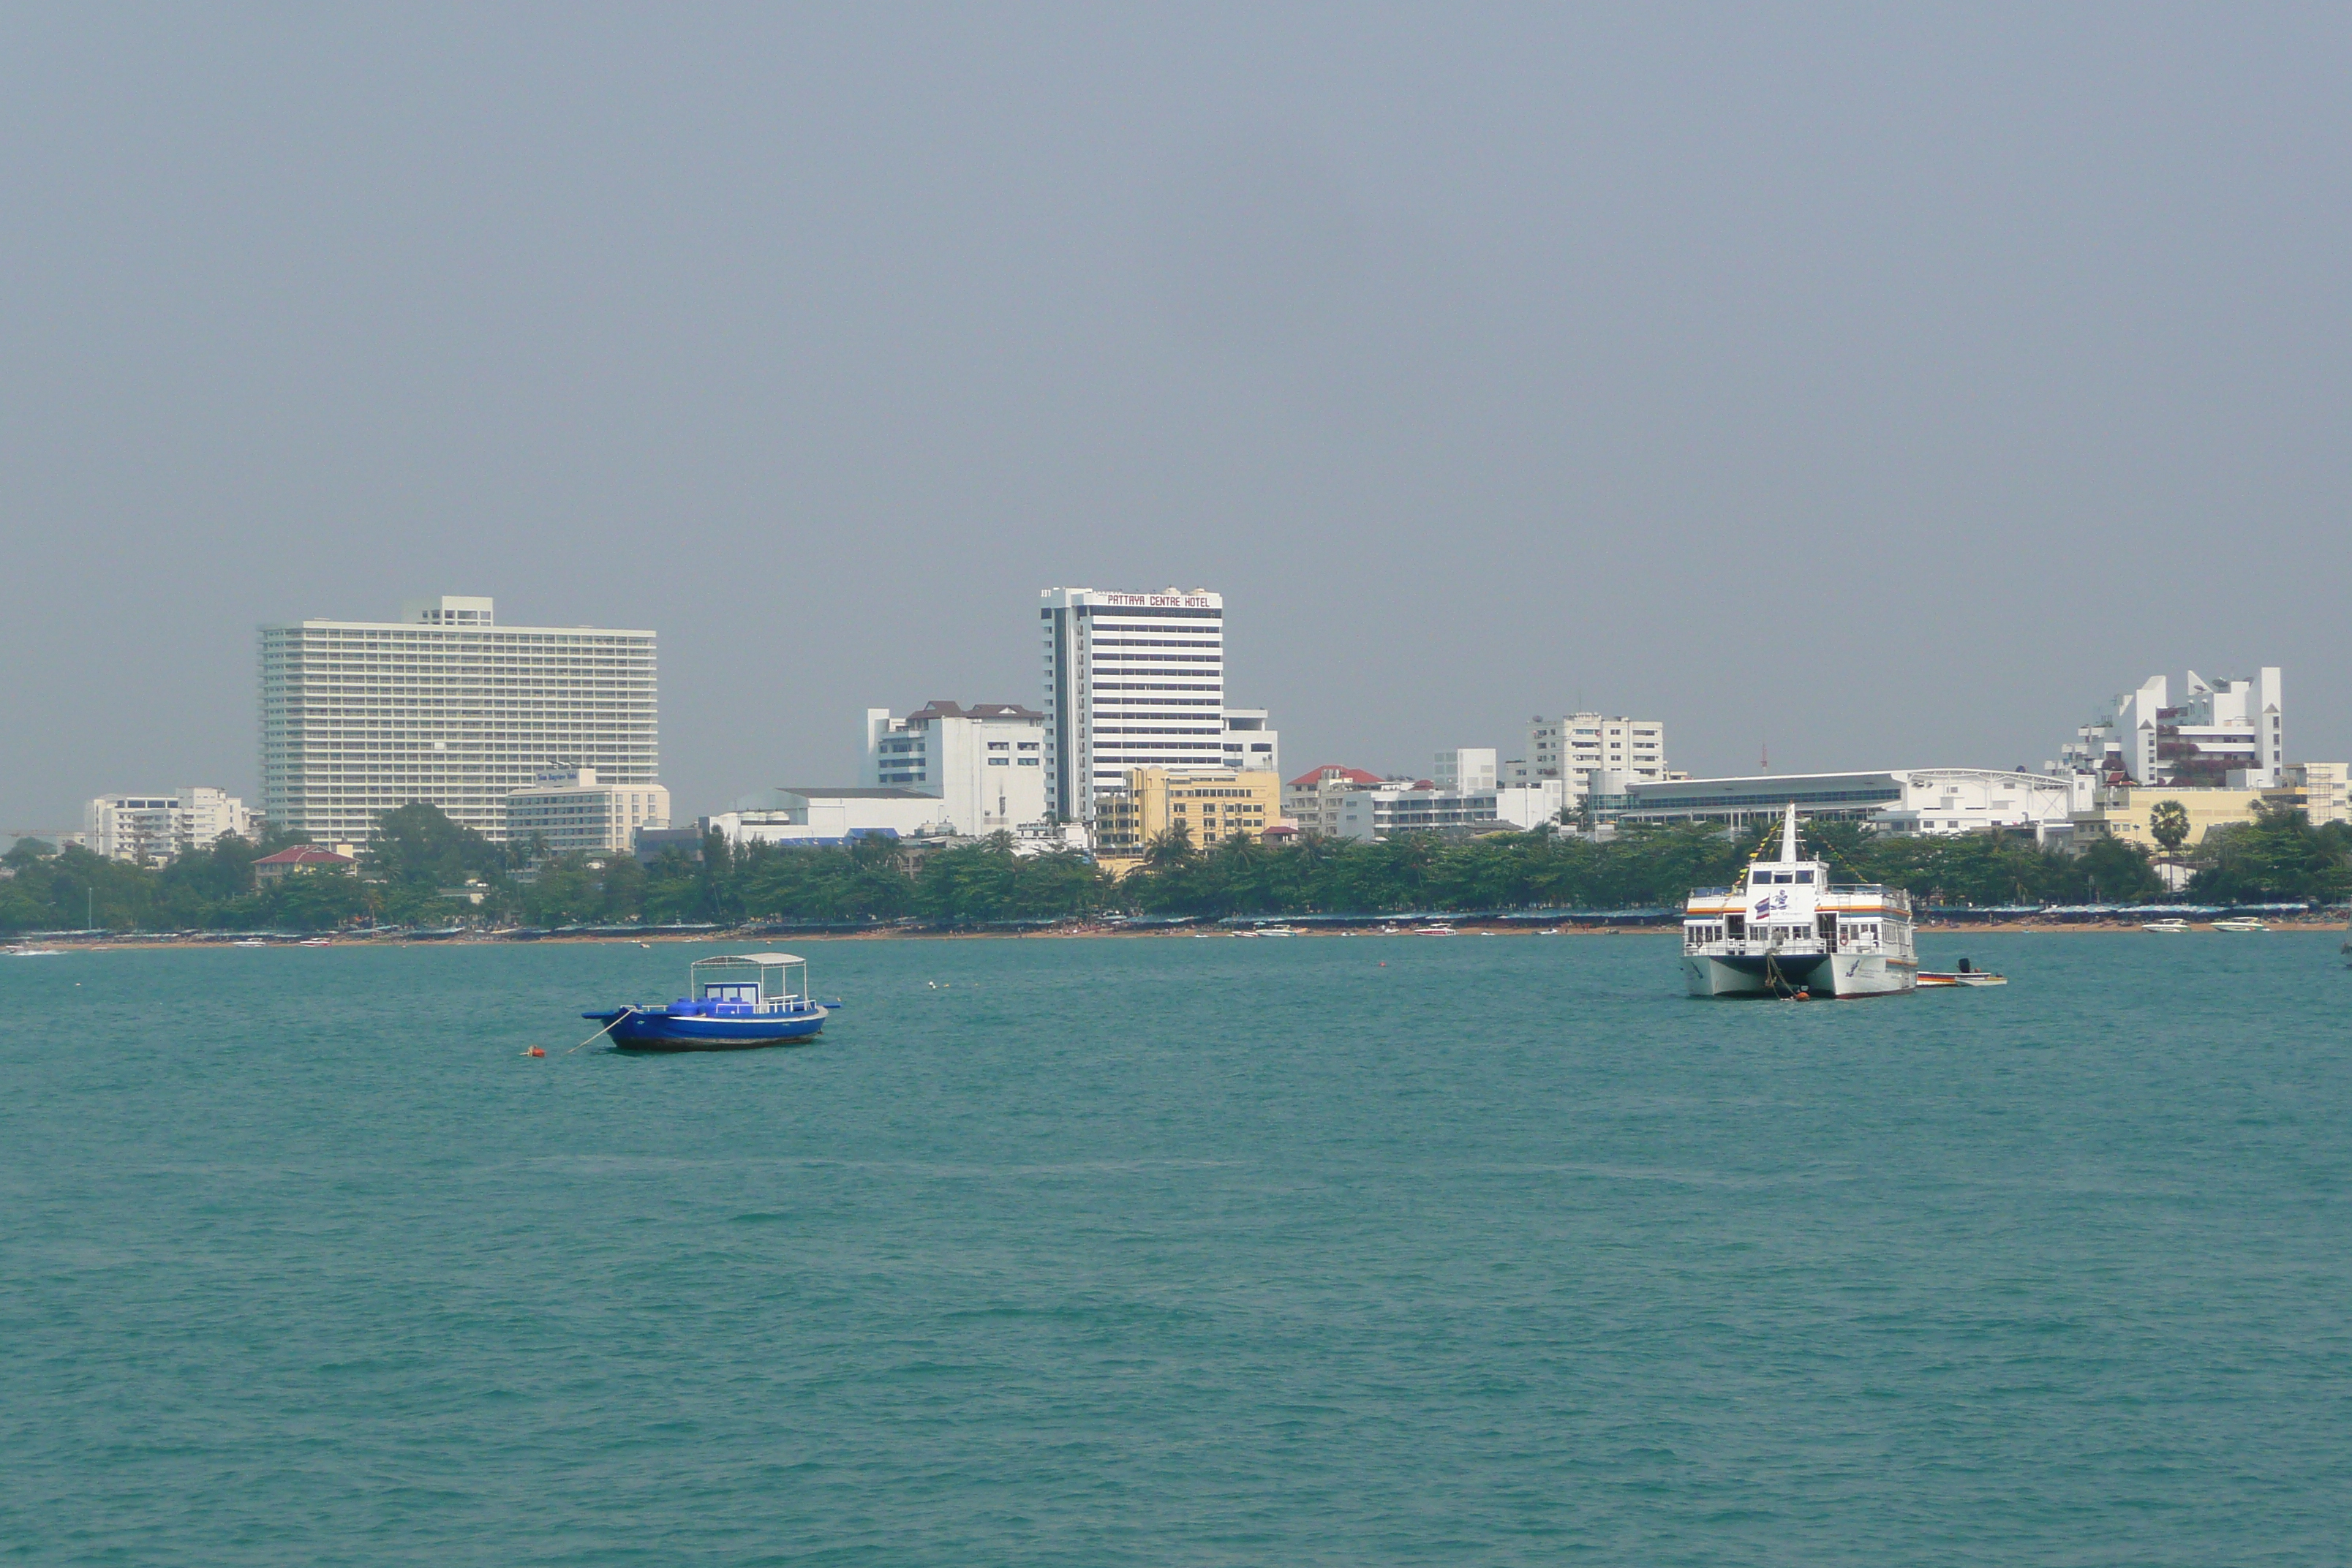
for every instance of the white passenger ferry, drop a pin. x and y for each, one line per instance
(1790, 930)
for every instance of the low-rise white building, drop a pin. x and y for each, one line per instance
(1941, 802)
(1052, 838)
(1933, 801)
(155, 828)
(815, 817)
(573, 813)
(1376, 814)
(984, 764)
(1310, 803)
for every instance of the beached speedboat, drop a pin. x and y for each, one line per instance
(1437, 929)
(733, 1004)
(2239, 926)
(1786, 932)
(2165, 928)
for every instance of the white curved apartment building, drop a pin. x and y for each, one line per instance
(446, 707)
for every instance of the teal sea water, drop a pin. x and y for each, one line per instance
(1323, 1251)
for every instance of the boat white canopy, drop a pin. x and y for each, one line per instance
(761, 978)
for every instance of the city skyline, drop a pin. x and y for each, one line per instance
(1387, 757)
(1491, 365)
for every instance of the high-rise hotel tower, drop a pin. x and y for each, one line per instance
(1137, 681)
(446, 707)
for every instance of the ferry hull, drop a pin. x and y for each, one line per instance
(1785, 974)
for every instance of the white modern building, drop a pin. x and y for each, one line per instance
(1571, 747)
(1376, 814)
(446, 707)
(1933, 801)
(810, 818)
(986, 764)
(1943, 802)
(572, 811)
(1137, 681)
(1467, 768)
(2232, 727)
(154, 827)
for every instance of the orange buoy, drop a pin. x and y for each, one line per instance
(537, 1051)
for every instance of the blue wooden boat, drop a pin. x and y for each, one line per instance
(736, 1003)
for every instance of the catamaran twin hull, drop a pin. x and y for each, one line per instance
(1786, 973)
(1785, 929)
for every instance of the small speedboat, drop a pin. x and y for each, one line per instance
(2239, 927)
(27, 949)
(1275, 931)
(1440, 928)
(2167, 928)
(736, 1003)
(1967, 973)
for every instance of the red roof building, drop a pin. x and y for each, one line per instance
(302, 857)
(1312, 801)
(1332, 772)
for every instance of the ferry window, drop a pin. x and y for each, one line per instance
(1804, 876)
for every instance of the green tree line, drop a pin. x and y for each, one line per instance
(419, 857)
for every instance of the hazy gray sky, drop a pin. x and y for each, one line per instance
(1894, 382)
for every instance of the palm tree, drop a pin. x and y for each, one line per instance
(1173, 847)
(2167, 823)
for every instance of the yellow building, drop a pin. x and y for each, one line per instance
(2122, 813)
(1210, 806)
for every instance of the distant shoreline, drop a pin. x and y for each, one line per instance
(136, 943)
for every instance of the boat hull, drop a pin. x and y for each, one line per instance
(1785, 974)
(659, 1031)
